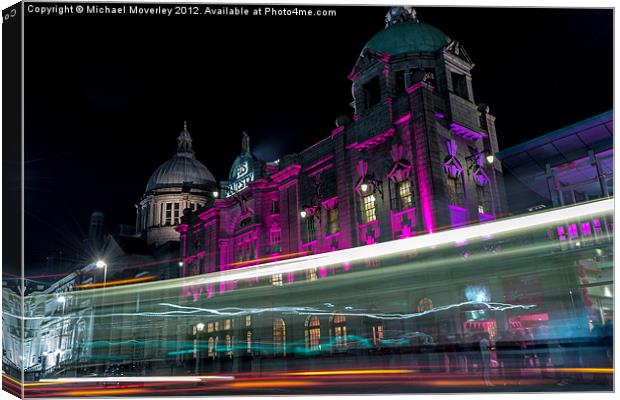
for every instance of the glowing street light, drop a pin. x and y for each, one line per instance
(102, 264)
(180, 263)
(490, 158)
(364, 187)
(215, 194)
(303, 213)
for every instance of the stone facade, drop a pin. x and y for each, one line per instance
(417, 158)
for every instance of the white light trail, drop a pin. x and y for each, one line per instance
(140, 379)
(547, 218)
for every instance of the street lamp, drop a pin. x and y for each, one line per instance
(303, 213)
(490, 158)
(364, 187)
(199, 328)
(101, 264)
(180, 263)
(215, 194)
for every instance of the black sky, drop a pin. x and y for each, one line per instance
(106, 96)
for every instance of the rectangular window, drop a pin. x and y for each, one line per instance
(168, 213)
(276, 279)
(248, 320)
(372, 92)
(311, 274)
(275, 239)
(483, 204)
(226, 324)
(455, 191)
(210, 327)
(459, 85)
(177, 213)
(405, 195)
(310, 229)
(369, 213)
(275, 207)
(333, 222)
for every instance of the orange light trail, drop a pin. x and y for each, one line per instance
(115, 283)
(271, 258)
(100, 392)
(267, 384)
(351, 372)
(586, 370)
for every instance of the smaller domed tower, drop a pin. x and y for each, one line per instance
(178, 184)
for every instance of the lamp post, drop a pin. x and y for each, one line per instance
(199, 328)
(101, 264)
(61, 300)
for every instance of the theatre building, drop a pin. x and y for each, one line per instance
(416, 157)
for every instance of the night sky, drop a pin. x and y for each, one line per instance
(106, 96)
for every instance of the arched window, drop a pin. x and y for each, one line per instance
(211, 347)
(339, 327)
(279, 337)
(313, 333)
(425, 304)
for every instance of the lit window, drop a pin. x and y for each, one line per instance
(248, 320)
(226, 324)
(311, 274)
(313, 333)
(340, 331)
(229, 345)
(211, 348)
(210, 327)
(377, 334)
(216, 326)
(333, 223)
(249, 341)
(279, 337)
(369, 213)
(425, 304)
(404, 196)
(276, 279)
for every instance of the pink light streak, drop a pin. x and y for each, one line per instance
(402, 119)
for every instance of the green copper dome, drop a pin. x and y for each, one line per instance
(408, 37)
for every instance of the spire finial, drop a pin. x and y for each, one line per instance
(184, 146)
(245, 143)
(400, 14)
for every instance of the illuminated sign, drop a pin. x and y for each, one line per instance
(243, 177)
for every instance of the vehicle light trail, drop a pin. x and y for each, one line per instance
(198, 378)
(115, 283)
(351, 372)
